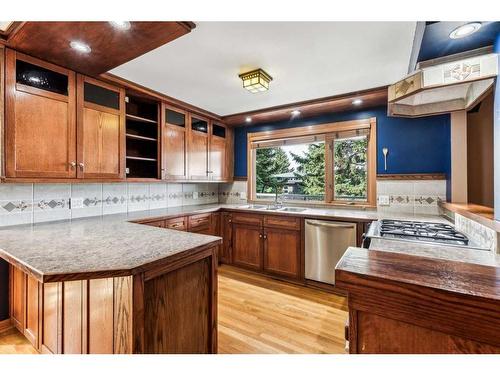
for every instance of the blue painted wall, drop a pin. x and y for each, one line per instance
(419, 145)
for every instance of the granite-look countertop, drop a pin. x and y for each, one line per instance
(115, 244)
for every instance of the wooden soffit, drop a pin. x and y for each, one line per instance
(111, 47)
(339, 103)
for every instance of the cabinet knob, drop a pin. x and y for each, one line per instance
(260, 235)
(81, 166)
(72, 164)
(265, 236)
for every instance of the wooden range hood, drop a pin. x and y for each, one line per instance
(447, 87)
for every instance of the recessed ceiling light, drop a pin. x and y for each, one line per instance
(357, 102)
(122, 25)
(80, 46)
(465, 30)
(295, 113)
(248, 119)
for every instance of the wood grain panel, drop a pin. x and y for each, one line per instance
(51, 334)
(174, 152)
(217, 162)
(123, 335)
(198, 155)
(100, 316)
(73, 317)
(177, 310)
(110, 47)
(285, 222)
(282, 251)
(17, 298)
(247, 246)
(178, 223)
(381, 335)
(33, 301)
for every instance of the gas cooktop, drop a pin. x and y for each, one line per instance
(422, 231)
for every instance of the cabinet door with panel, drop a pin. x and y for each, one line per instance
(247, 246)
(218, 152)
(17, 297)
(227, 234)
(101, 129)
(282, 251)
(33, 303)
(40, 121)
(198, 148)
(174, 143)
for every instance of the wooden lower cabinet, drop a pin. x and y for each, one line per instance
(271, 244)
(169, 308)
(247, 246)
(227, 237)
(282, 251)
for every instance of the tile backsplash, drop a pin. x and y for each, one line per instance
(233, 193)
(34, 203)
(411, 196)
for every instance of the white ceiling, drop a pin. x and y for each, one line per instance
(307, 60)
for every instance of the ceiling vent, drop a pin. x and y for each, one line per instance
(447, 87)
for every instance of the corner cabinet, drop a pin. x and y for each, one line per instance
(40, 121)
(101, 129)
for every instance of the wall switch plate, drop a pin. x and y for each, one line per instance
(243, 195)
(195, 195)
(383, 200)
(76, 203)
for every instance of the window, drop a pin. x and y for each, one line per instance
(330, 163)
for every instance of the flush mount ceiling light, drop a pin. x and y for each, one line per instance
(295, 113)
(357, 102)
(256, 80)
(80, 46)
(465, 30)
(121, 25)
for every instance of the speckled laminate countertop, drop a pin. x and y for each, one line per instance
(114, 244)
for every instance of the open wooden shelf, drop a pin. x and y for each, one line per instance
(139, 158)
(140, 119)
(133, 136)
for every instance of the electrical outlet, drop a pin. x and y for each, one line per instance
(243, 195)
(76, 202)
(383, 200)
(195, 195)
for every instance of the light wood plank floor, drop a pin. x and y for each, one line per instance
(260, 315)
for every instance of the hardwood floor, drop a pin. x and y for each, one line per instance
(12, 342)
(260, 315)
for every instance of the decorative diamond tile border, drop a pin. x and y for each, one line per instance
(46, 204)
(15, 206)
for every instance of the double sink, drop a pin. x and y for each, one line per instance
(272, 208)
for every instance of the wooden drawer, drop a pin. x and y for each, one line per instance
(199, 222)
(250, 219)
(285, 222)
(177, 223)
(155, 223)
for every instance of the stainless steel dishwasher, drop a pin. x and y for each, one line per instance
(326, 242)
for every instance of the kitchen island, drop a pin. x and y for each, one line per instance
(419, 300)
(106, 285)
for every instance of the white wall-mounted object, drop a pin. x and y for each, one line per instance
(448, 87)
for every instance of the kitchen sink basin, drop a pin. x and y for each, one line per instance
(292, 209)
(253, 206)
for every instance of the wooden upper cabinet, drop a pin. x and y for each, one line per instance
(101, 129)
(218, 152)
(174, 143)
(198, 148)
(40, 121)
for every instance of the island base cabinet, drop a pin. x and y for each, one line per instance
(168, 308)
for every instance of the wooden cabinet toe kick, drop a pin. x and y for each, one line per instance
(171, 308)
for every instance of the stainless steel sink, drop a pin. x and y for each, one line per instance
(292, 209)
(253, 206)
